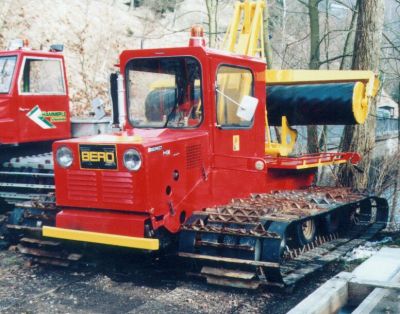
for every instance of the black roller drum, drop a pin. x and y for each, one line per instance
(317, 104)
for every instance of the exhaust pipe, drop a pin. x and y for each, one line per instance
(117, 99)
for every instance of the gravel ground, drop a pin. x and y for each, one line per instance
(132, 284)
(122, 282)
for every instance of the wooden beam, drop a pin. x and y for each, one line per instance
(329, 298)
(373, 299)
(355, 283)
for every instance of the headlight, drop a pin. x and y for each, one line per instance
(64, 157)
(132, 160)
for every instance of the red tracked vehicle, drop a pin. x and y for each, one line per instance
(195, 137)
(34, 112)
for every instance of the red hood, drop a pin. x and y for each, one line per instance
(144, 137)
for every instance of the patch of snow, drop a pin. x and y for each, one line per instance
(366, 250)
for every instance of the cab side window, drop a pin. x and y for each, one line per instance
(233, 83)
(42, 76)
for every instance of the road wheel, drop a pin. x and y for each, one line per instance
(305, 232)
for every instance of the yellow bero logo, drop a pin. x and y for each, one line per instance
(106, 157)
(98, 156)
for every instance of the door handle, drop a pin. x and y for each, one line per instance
(24, 109)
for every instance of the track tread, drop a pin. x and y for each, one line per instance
(298, 262)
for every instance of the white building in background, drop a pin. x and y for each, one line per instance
(387, 107)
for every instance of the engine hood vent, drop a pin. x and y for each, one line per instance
(193, 156)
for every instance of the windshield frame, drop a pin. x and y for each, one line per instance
(10, 87)
(165, 126)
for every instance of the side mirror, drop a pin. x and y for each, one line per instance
(247, 108)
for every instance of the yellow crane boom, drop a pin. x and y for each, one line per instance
(245, 36)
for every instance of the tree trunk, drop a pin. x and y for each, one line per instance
(361, 138)
(313, 13)
(396, 187)
(267, 42)
(212, 10)
(349, 36)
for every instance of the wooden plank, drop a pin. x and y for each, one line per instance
(352, 288)
(355, 283)
(40, 242)
(229, 260)
(232, 273)
(329, 298)
(382, 267)
(231, 282)
(373, 299)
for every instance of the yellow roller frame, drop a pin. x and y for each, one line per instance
(293, 77)
(286, 145)
(366, 84)
(101, 238)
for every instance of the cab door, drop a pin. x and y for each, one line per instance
(8, 116)
(235, 138)
(43, 100)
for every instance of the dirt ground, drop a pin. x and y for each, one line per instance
(132, 284)
(122, 282)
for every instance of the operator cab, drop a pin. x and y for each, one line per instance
(185, 120)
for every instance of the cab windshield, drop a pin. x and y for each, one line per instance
(7, 65)
(164, 92)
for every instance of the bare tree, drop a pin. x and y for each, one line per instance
(361, 138)
(314, 63)
(267, 42)
(212, 12)
(349, 37)
(313, 14)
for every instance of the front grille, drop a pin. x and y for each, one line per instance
(82, 185)
(117, 187)
(98, 186)
(193, 156)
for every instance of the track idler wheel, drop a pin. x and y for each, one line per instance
(305, 231)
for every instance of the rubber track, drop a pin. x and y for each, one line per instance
(215, 239)
(315, 259)
(26, 176)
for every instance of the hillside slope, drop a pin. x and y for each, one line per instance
(94, 33)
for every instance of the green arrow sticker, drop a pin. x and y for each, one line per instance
(36, 116)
